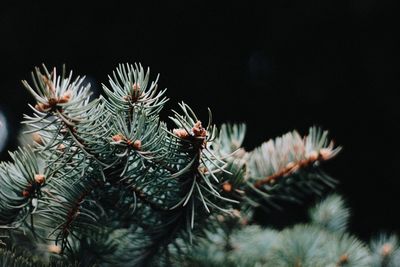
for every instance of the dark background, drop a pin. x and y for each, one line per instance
(279, 66)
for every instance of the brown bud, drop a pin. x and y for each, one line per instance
(25, 193)
(52, 102)
(41, 107)
(61, 147)
(117, 138)
(313, 156)
(203, 169)
(197, 124)
(135, 92)
(66, 97)
(40, 179)
(198, 130)
(54, 249)
(386, 249)
(227, 187)
(181, 133)
(343, 259)
(37, 138)
(137, 145)
(325, 153)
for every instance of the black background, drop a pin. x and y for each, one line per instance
(278, 66)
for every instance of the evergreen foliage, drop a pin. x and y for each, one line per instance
(105, 182)
(312, 244)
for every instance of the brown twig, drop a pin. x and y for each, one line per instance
(292, 167)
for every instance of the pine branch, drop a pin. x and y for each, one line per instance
(331, 214)
(288, 167)
(64, 209)
(300, 245)
(385, 251)
(109, 166)
(8, 258)
(288, 154)
(20, 184)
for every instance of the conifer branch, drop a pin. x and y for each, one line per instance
(108, 179)
(293, 166)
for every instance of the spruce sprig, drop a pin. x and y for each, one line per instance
(109, 166)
